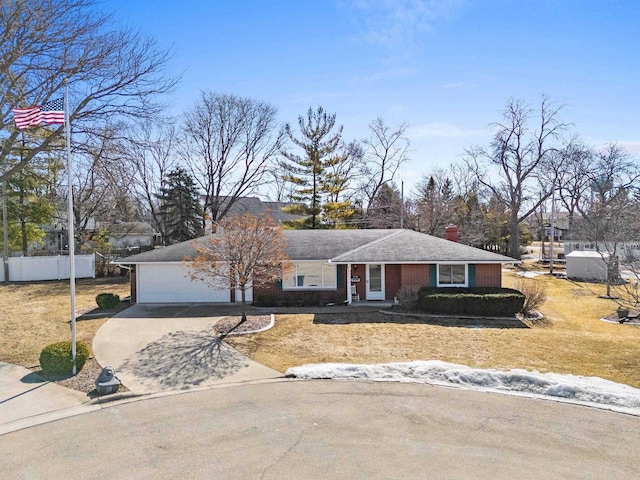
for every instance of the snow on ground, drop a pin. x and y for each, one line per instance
(592, 391)
(531, 274)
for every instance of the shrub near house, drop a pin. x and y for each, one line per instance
(488, 302)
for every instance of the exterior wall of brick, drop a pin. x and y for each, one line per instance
(392, 280)
(336, 295)
(415, 275)
(488, 275)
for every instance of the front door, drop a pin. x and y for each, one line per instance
(375, 282)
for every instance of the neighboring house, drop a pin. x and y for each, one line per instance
(57, 236)
(541, 225)
(339, 265)
(256, 207)
(132, 234)
(625, 251)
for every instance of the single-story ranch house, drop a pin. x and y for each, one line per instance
(339, 265)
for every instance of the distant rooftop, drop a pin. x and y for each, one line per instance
(257, 207)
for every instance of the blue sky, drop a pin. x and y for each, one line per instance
(446, 67)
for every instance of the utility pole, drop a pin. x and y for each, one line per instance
(553, 227)
(402, 204)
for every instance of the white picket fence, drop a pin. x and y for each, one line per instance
(32, 269)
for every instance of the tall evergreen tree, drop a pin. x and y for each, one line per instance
(29, 203)
(179, 207)
(318, 173)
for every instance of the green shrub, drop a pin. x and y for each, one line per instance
(484, 302)
(56, 359)
(310, 299)
(107, 301)
(267, 300)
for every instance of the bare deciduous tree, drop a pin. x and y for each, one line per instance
(515, 159)
(573, 178)
(610, 215)
(245, 251)
(386, 150)
(110, 73)
(151, 150)
(229, 142)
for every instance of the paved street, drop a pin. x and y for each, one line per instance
(329, 430)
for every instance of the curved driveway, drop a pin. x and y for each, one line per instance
(329, 430)
(156, 348)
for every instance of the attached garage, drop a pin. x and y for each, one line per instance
(329, 266)
(170, 283)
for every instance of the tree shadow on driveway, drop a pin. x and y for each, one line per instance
(180, 360)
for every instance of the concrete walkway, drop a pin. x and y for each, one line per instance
(156, 348)
(26, 399)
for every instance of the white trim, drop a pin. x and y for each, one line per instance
(375, 295)
(452, 285)
(334, 286)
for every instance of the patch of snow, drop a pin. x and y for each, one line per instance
(530, 274)
(592, 391)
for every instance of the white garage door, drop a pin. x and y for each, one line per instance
(170, 283)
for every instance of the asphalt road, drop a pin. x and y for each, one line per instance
(330, 430)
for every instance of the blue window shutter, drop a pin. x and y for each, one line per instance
(341, 274)
(472, 275)
(433, 275)
(279, 284)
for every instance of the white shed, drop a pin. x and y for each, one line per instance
(583, 265)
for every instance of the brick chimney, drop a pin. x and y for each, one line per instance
(451, 232)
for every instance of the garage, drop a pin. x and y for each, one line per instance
(170, 283)
(590, 266)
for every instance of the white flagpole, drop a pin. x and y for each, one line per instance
(72, 265)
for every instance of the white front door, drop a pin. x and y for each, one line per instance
(375, 281)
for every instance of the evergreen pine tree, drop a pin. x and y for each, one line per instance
(28, 205)
(314, 173)
(179, 207)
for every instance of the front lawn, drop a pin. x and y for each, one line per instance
(33, 315)
(571, 339)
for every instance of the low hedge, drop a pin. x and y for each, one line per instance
(57, 359)
(483, 302)
(107, 301)
(296, 299)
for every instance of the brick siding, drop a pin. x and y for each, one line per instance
(336, 295)
(415, 275)
(488, 275)
(392, 280)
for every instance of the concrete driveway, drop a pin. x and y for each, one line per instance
(156, 348)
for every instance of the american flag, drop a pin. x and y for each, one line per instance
(50, 113)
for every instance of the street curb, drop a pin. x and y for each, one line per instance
(113, 398)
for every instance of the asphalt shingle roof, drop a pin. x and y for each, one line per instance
(349, 246)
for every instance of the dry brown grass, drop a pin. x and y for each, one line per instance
(572, 339)
(34, 315)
